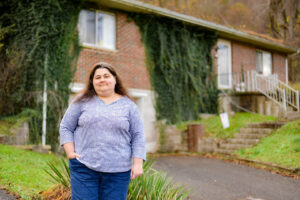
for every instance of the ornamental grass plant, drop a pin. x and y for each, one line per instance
(152, 185)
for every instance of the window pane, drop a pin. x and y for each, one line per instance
(109, 31)
(100, 29)
(259, 62)
(267, 64)
(86, 27)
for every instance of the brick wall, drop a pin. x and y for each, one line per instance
(128, 58)
(278, 61)
(245, 55)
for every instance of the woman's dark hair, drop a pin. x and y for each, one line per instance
(89, 91)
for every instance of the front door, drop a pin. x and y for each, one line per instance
(224, 64)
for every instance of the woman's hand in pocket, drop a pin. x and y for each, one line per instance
(73, 155)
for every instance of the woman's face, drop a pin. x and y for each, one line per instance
(104, 82)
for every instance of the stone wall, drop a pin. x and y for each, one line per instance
(171, 138)
(20, 136)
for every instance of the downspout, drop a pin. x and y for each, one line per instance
(286, 62)
(297, 94)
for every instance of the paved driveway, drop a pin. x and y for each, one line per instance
(5, 196)
(213, 179)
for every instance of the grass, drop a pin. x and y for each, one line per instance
(22, 171)
(214, 128)
(281, 148)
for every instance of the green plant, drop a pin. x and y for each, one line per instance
(21, 171)
(39, 43)
(214, 128)
(152, 185)
(7, 124)
(59, 172)
(282, 147)
(178, 58)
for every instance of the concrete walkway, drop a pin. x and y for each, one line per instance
(213, 179)
(5, 196)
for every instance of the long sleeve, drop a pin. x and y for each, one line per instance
(137, 133)
(69, 123)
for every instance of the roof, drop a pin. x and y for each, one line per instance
(224, 32)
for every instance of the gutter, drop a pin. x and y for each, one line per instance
(295, 54)
(224, 32)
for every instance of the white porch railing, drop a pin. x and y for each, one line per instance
(270, 86)
(244, 82)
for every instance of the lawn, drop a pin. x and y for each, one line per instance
(281, 148)
(21, 171)
(214, 128)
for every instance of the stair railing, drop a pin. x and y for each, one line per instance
(292, 95)
(278, 91)
(270, 86)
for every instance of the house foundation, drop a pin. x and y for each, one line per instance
(249, 102)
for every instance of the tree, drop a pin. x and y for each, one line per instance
(284, 18)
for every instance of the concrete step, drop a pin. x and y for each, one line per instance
(234, 146)
(243, 141)
(248, 130)
(250, 135)
(272, 125)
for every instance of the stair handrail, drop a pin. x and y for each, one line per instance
(292, 95)
(267, 85)
(278, 91)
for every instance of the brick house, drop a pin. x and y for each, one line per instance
(107, 35)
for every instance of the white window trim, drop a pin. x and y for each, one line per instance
(286, 71)
(88, 45)
(228, 43)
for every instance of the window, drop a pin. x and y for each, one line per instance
(263, 63)
(97, 29)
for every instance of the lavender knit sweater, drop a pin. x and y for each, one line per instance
(106, 136)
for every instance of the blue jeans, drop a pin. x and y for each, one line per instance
(87, 184)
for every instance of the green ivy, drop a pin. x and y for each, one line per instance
(38, 41)
(180, 65)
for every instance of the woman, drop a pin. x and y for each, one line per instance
(102, 133)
